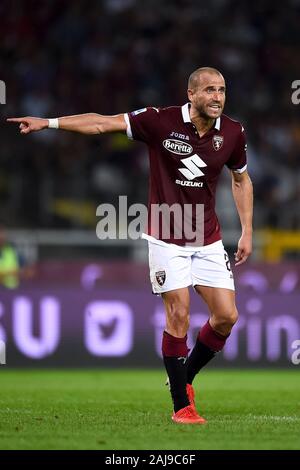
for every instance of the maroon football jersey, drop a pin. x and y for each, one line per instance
(184, 168)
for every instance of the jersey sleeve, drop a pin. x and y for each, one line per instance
(142, 124)
(238, 159)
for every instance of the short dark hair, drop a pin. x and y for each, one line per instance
(194, 77)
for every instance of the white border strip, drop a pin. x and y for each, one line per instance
(128, 130)
(240, 170)
(185, 112)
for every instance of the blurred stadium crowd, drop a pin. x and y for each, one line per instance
(111, 56)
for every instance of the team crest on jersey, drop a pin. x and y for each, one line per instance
(160, 277)
(217, 141)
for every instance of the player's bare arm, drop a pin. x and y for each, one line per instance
(90, 123)
(242, 191)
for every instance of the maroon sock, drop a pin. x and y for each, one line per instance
(213, 340)
(173, 346)
(175, 353)
(208, 343)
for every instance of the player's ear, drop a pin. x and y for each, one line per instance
(190, 94)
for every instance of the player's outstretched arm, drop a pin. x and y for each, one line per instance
(90, 123)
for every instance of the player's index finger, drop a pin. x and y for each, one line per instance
(15, 119)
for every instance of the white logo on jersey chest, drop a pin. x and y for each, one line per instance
(177, 135)
(177, 146)
(192, 167)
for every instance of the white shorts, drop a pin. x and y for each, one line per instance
(173, 267)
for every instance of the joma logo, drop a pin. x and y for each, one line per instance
(177, 146)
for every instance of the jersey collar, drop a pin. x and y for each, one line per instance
(186, 116)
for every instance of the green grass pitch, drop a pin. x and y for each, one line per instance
(130, 409)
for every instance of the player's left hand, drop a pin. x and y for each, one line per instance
(244, 249)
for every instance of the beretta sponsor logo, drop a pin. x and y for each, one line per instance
(177, 146)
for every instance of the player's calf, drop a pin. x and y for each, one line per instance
(209, 342)
(177, 322)
(175, 353)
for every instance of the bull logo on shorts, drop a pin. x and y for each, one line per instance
(160, 277)
(217, 141)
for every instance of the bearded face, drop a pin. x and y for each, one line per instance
(208, 95)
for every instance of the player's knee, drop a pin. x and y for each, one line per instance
(224, 322)
(233, 317)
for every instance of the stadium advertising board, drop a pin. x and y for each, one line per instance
(119, 328)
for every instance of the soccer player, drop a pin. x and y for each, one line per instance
(188, 148)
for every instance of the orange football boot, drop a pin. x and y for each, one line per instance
(188, 415)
